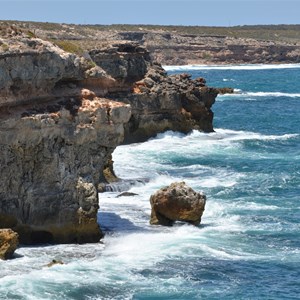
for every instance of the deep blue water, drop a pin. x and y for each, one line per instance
(248, 244)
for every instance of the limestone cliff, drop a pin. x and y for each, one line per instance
(61, 117)
(185, 49)
(181, 45)
(159, 102)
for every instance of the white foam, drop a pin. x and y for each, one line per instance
(159, 154)
(254, 96)
(252, 67)
(236, 135)
(273, 94)
(255, 206)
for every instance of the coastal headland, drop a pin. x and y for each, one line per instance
(62, 114)
(70, 94)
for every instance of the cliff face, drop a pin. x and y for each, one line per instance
(181, 45)
(61, 117)
(51, 163)
(159, 102)
(171, 48)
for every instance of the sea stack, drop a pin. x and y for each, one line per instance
(176, 202)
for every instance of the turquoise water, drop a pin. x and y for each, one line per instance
(248, 244)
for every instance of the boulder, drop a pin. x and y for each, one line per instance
(177, 202)
(9, 241)
(225, 90)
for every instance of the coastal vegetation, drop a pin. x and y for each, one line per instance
(175, 45)
(276, 33)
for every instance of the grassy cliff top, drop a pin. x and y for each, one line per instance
(276, 33)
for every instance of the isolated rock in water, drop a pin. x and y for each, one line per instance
(177, 202)
(55, 262)
(225, 90)
(126, 194)
(9, 241)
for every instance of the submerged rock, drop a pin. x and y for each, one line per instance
(225, 90)
(9, 241)
(177, 202)
(55, 262)
(126, 194)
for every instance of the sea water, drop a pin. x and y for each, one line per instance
(248, 243)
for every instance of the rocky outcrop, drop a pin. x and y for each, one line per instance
(8, 243)
(177, 202)
(128, 67)
(51, 163)
(225, 90)
(61, 117)
(160, 102)
(33, 70)
(54, 149)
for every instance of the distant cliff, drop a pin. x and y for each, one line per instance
(192, 49)
(61, 117)
(181, 45)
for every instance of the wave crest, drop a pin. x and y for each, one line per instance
(232, 67)
(240, 93)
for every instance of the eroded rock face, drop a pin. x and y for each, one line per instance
(56, 137)
(8, 243)
(177, 202)
(51, 163)
(160, 102)
(30, 68)
(61, 117)
(126, 62)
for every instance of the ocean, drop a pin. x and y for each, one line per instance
(248, 243)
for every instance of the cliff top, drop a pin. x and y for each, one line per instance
(275, 33)
(284, 33)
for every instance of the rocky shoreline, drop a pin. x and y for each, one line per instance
(61, 117)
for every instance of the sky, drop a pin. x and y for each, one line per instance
(161, 12)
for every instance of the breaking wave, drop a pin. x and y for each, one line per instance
(253, 67)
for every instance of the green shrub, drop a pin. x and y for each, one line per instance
(4, 47)
(206, 55)
(69, 47)
(31, 34)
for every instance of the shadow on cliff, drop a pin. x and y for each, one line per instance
(111, 222)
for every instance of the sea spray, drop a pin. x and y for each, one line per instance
(247, 245)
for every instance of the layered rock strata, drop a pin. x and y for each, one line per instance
(182, 45)
(185, 49)
(56, 139)
(61, 117)
(51, 163)
(159, 102)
